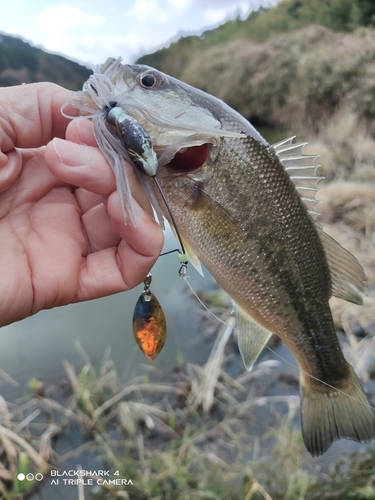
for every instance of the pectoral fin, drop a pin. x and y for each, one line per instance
(348, 277)
(213, 214)
(252, 337)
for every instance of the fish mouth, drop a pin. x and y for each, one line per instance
(188, 159)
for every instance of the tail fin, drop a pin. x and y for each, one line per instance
(328, 415)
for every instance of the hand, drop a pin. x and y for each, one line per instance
(62, 234)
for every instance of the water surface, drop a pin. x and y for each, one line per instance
(36, 346)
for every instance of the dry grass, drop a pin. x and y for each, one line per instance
(207, 435)
(158, 433)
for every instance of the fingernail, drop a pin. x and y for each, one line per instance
(71, 154)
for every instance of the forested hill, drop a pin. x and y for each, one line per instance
(22, 63)
(287, 16)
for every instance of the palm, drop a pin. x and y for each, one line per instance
(43, 244)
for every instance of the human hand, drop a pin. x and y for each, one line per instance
(62, 234)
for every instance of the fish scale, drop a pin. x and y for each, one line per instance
(276, 261)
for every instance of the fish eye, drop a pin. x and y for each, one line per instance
(150, 80)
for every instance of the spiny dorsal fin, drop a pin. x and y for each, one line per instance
(348, 277)
(302, 171)
(252, 338)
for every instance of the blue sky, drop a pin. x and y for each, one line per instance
(89, 31)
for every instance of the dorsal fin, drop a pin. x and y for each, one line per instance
(348, 277)
(302, 171)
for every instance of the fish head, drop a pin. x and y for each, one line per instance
(186, 126)
(184, 123)
(173, 101)
(188, 129)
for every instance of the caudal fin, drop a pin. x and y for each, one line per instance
(328, 415)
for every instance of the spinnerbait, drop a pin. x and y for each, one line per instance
(149, 325)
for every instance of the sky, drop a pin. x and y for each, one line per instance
(90, 31)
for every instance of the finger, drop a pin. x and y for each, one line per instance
(30, 115)
(80, 165)
(86, 167)
(139, 237)
(80, 131)
(87, 200)
(98, 228)
(120, 268)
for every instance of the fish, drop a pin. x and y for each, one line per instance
(247, 211)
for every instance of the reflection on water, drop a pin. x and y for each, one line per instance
(37, 345)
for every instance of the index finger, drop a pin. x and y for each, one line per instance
(30, 115)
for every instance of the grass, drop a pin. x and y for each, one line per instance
(184, 440)
(204, 435)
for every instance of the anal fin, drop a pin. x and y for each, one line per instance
(252, 337)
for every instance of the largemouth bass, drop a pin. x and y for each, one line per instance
(246, 210)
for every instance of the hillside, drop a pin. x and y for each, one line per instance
(260, 25)
(274, 66)
(22, 63)
(292, 79)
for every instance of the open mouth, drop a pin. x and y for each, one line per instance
(189, 159)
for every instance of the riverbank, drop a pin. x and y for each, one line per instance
(201, 431)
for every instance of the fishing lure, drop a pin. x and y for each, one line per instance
(149, 325)
(138, 144)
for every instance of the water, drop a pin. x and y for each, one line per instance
(36, 346)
